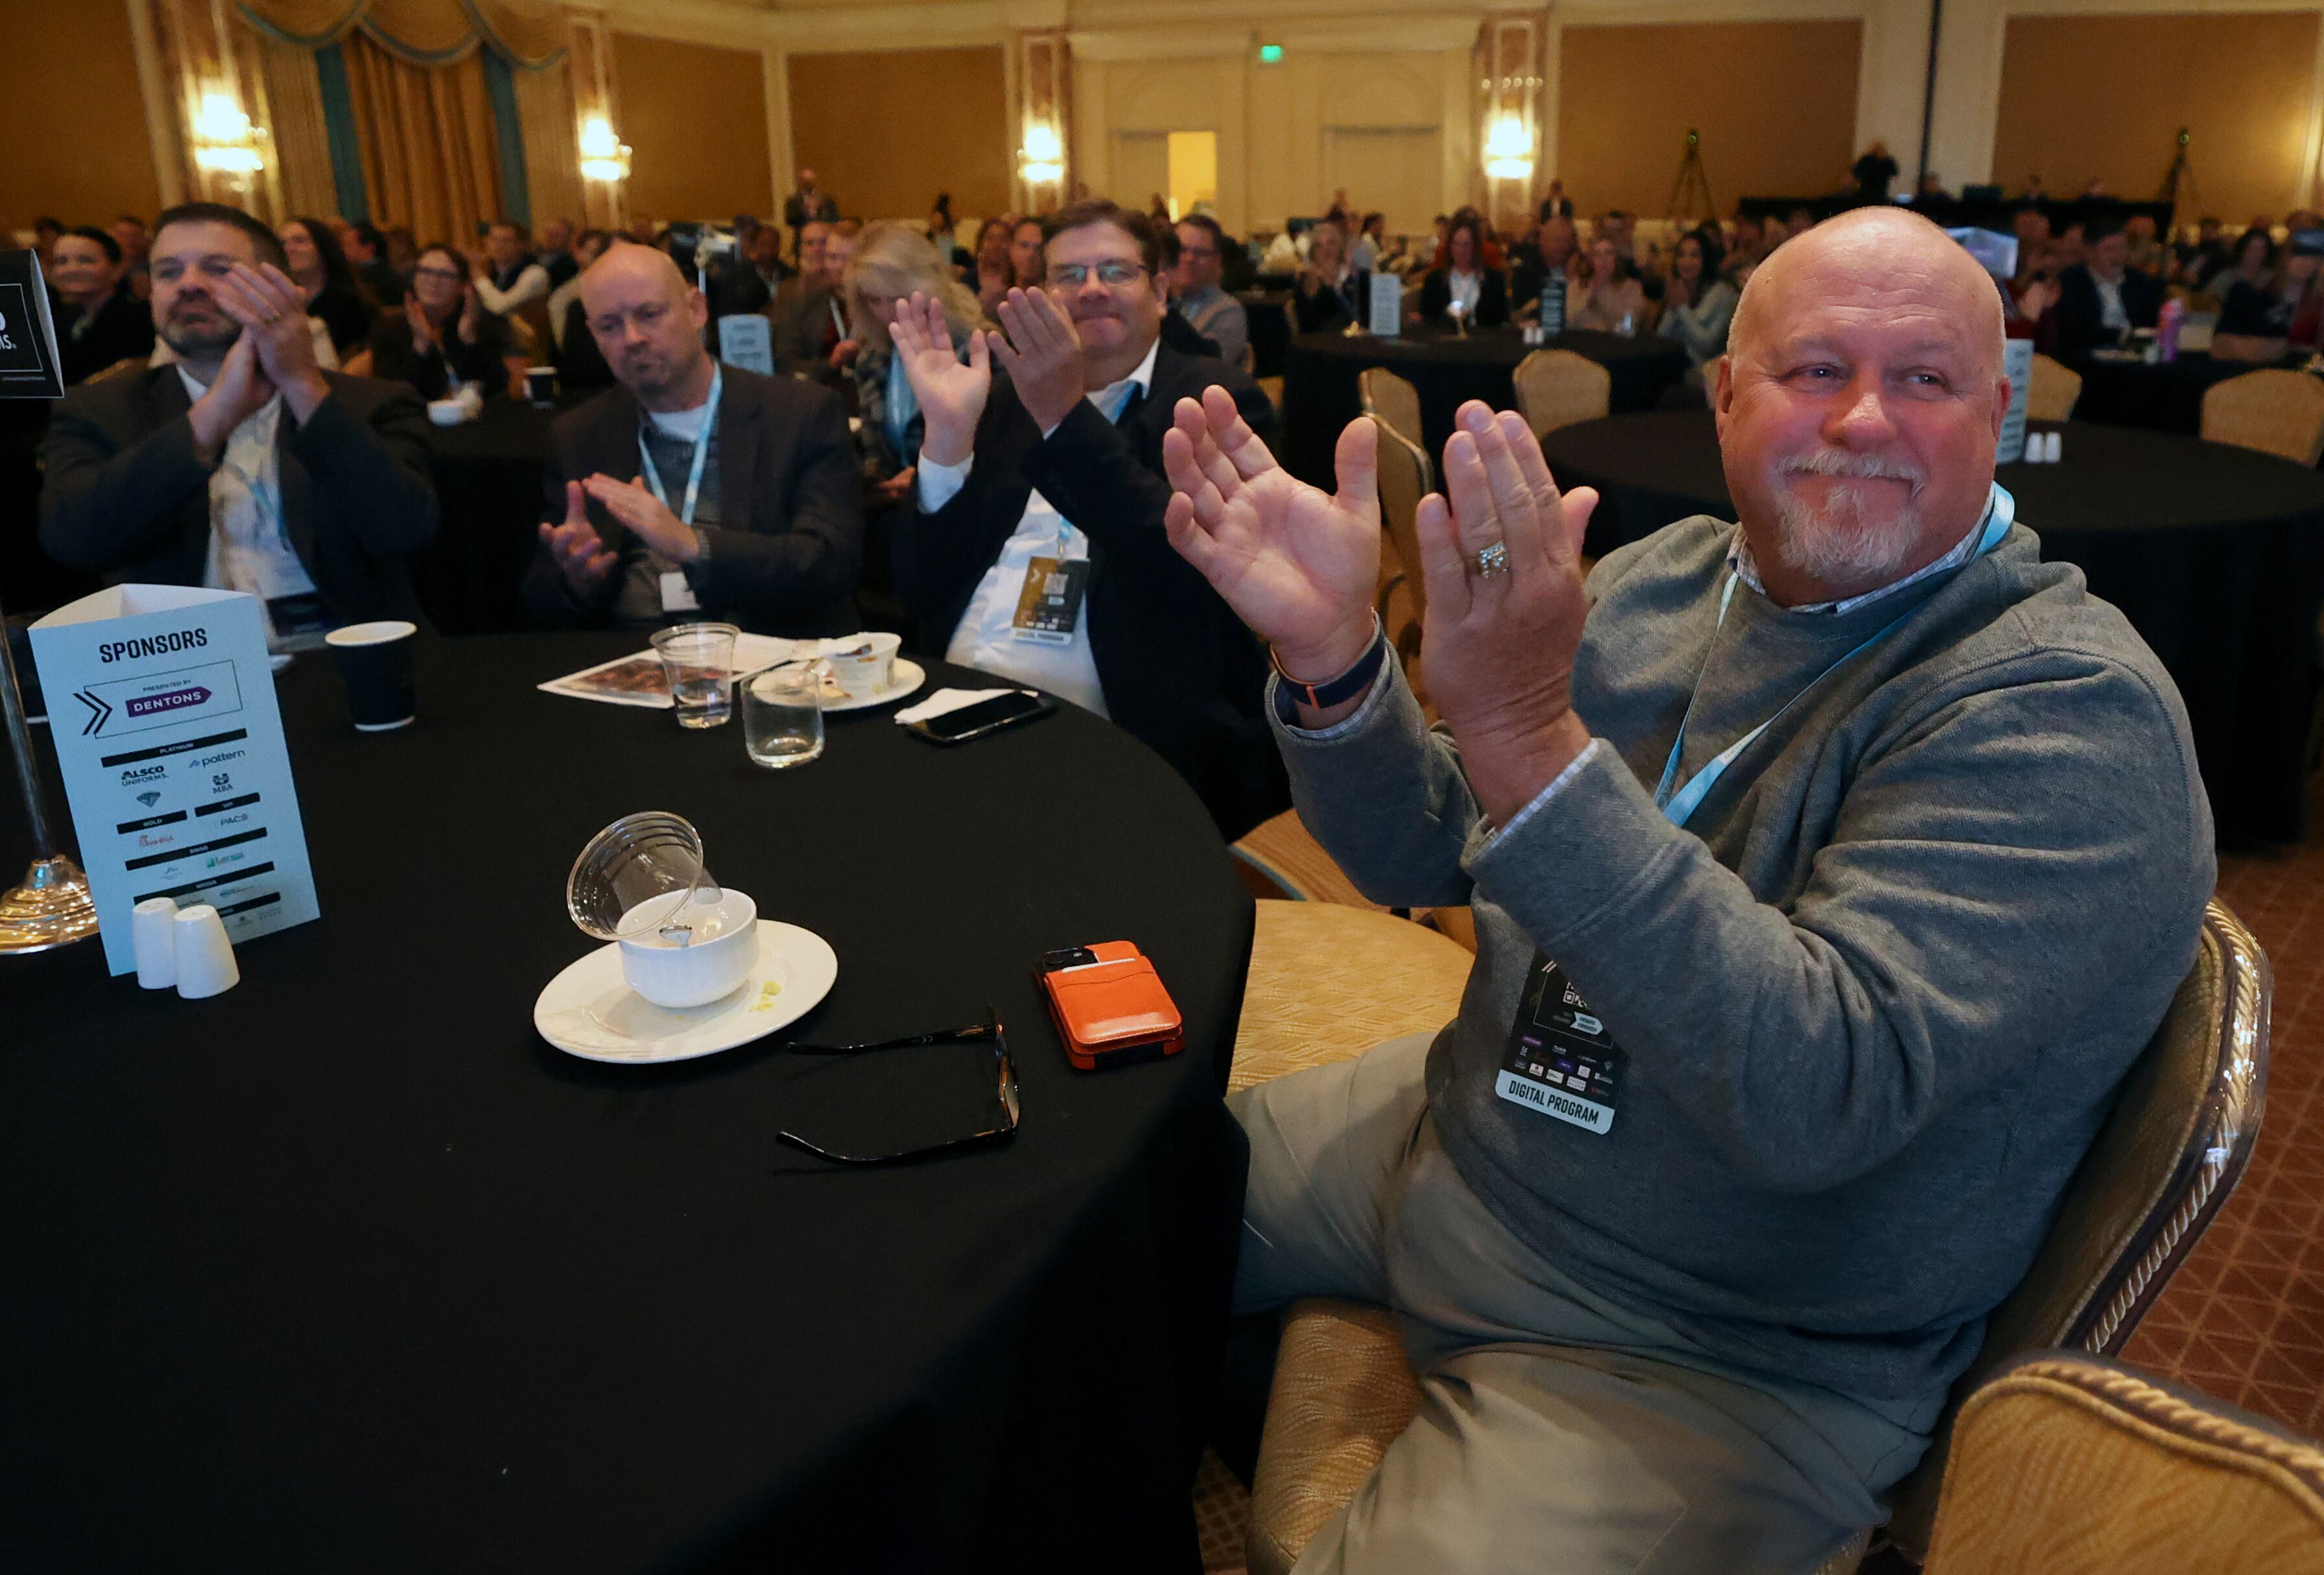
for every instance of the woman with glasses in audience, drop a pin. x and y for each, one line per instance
(1607, 298)
(102, 321)
(890, 264)
(443, 336)
(1461, 278)
(1697, 303)
(319, 267)
(2269, 320)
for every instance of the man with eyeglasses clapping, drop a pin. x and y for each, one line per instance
(1035, 551)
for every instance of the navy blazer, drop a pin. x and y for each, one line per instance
(128, 498)
(2078, 327)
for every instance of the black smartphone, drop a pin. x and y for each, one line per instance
(985, 716)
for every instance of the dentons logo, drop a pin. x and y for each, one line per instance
(167, 700)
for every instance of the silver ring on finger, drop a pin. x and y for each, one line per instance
(1491, 562)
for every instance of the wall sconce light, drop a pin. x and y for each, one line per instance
(224, 139)
(1041, 162)
(604, 156)
(1508, 151)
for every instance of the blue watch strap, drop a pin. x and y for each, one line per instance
(1291, 693)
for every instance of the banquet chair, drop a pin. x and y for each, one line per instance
(1394, 401)
(530, 323)
(2071, 1465)
(1557, 388)
(1291, 865)
(1404, 478)
(2054, 389)
(2170, 1149)
(2272, 411)
(1328, 982)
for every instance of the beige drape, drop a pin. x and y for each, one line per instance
(552, 154)
(302, 143)
(528, 33)
(429, 156)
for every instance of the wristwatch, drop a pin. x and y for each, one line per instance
(1292, 693)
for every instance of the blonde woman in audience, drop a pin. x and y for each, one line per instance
(1607, 301)
(1323, 300)
(891, 261)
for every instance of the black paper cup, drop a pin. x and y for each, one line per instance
(376, 664)
(540, 384)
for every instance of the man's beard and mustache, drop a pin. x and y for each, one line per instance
(1845, 540)
(198, 330)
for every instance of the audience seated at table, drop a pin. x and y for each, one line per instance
(366, 252)
(1196, 295)
(507, 276)
(994, 271)
(1463, 279)
(2101, 299)
(1858, 1005)
(892, 263)
(1324, 295)
(1025, 252)
(557, 256)
(443, 336)
(2250, 260)
(1368, 252)
(752, 512)
(101, 322)
(2263, 322)
(241, 463)
(320, 268)
(1060, 463)
(1605, 299)
(747, 281)
(1176, 331)
(1550, 257)
(1697, 303)
(812, 333)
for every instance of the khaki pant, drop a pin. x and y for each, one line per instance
(1557, 1433)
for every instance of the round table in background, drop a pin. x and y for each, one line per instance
(2216, 555)
(347, 1269)
(1270, 329)
(1321, 396)
(2164, 397)
(488, 480)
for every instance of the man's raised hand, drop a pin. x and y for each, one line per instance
(1296, 564)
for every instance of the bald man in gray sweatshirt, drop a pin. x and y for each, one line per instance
(1829, 868)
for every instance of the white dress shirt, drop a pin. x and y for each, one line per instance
(1466, 288)
(986, 638)
(249, 548)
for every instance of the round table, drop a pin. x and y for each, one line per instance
(488, 483)
(2164, 397)
(347, 1269)
(2216, 555)
(1270, 329)
(1321, 396)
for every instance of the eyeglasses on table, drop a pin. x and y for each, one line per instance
(1004, 1071)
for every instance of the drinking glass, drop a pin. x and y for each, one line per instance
(641, 874)
(698, 660)
(782, 715)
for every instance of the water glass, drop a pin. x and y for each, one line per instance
(782, 715)
(698, 660)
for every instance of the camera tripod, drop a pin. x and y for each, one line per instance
(1690, 185)
(2179, 181)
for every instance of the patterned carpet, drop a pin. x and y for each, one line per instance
(2243, 1318)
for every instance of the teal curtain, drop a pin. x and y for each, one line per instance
(339, 125)
(500, 83)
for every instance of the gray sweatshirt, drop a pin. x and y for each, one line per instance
(1872, 1000)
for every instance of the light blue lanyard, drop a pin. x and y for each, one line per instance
(701, 451)
(2000, 511)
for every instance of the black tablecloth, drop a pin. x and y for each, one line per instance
(488, 482)
(346, 1269)
(2216, 553)
(2166, 397)
(1270, 329)
(1321, 396)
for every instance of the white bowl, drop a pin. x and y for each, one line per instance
(697, 972)
(871, 673)
(446, 412)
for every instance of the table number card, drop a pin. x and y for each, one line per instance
(746, 339)
(161, 702)
(2017, 366)
(1384, 306)
(29, 368)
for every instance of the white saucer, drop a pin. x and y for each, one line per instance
(589, 1011)
(908, 676)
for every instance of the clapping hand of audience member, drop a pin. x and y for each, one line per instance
(1499, 637)
(1297, 564)
(843, 353)
(578, 550)
(469, 309)
(885, 494)
(423, 332)
(951, 391)
(634, 505)
(239, 391)
(273, 312)
(1043, 356)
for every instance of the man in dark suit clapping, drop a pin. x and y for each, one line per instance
(692, 490)
(2102, 297)
(1036, 549)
